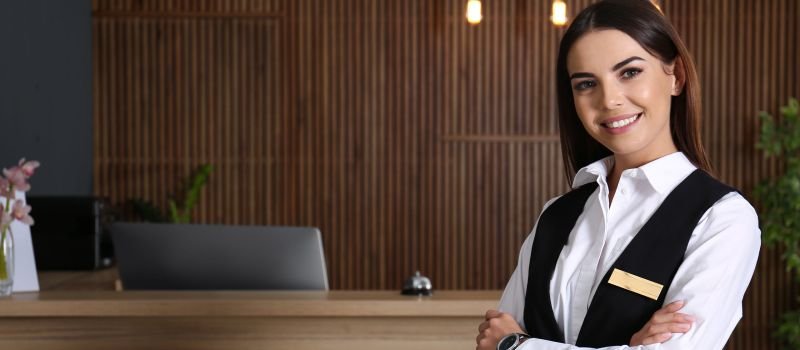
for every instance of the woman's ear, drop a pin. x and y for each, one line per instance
(679, 71)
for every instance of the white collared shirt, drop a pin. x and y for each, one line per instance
(712, 279)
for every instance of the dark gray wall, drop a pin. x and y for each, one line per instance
(46, 92)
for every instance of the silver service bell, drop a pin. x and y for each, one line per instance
(418, 285)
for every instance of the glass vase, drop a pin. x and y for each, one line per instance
(6, 263)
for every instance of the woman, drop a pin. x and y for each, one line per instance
(645, 232)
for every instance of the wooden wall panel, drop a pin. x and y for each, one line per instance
(746, 53)
(413, 140)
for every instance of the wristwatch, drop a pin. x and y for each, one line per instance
(512, 341)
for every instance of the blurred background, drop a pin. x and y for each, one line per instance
(413, 139)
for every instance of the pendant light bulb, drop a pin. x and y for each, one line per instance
(655, 3)
(474, 15)
(559, 17)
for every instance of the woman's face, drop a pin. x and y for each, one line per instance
(622, 94)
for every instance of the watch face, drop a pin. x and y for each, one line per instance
(507, 342)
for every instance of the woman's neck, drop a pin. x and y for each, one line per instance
(624, 162)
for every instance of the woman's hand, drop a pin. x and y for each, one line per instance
(664, 322)
(497, 325)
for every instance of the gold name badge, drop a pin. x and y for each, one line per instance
(635, 284)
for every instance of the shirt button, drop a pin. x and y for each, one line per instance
(622, 190)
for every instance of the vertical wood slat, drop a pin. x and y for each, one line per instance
(413, 140)
(743, 50)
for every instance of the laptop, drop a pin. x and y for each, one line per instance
(218, 257)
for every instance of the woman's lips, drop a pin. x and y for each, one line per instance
(621, 126)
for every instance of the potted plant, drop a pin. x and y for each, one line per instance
(177, 211)
(779, 199)
(12, 208)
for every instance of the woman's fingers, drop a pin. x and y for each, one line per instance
(664, 322)
(672, 318)
(669, 313)
(496, 325)
(672, 327)
(673, 306)
(490, 314)
(682, 318)
(657, 338)
(665, 314)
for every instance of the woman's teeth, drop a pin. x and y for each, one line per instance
(621, 123)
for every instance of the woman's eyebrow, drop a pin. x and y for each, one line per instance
(616, 67)
(626, 61)
(581, 75)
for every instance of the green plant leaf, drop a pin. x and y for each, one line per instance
(789, 329)
(174, 216)
(198, 181)
(779, 199)
(177, 212)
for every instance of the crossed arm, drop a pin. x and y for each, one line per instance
(705, 295)
(659, 329)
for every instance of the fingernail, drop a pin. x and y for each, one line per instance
(690, 318)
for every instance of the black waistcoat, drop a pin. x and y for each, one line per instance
(655, 254)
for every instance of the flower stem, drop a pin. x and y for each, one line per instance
(3, 270)
(4, 228)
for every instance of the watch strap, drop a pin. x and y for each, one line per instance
(518, 338)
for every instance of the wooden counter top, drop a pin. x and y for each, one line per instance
(247, 303)
(81, 310)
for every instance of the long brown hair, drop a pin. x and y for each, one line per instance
(643, 22)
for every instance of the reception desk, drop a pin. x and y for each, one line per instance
(103, 319)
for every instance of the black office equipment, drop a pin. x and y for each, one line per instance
(219, 257)
(71, 233)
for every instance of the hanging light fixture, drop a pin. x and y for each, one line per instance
(474, 15)
(655, 3)
(559, 17)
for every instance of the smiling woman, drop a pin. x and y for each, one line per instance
(646, 231)
(618, 87)
(624, 47)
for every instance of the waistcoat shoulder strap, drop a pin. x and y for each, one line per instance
(552, 233)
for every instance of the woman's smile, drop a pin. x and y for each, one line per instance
(621, 124)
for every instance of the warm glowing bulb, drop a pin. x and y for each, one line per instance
(559, 13)
(474, 15)
(655, 2)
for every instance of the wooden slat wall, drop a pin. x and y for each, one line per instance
(413, 140)
(747, 55)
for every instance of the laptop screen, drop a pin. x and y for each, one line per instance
(219, 257)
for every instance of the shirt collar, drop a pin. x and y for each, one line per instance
(592, 172)
(663, 174)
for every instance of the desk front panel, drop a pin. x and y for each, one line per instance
(242, 320)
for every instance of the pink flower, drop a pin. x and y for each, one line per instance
(28, 167)
(18, 175)
(20, 212)
(17, 178)
(5, 190)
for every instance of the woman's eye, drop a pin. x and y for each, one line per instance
(584, 85)
(630, 73)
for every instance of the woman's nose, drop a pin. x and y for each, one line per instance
(612, 97)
